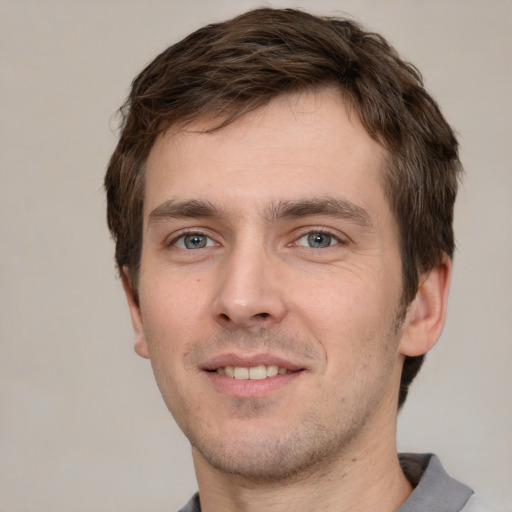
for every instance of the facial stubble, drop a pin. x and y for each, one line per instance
(311, 445)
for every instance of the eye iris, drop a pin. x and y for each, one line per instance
(195, 241)
(319, 240)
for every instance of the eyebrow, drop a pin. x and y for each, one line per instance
(193, 208)
(328, 206)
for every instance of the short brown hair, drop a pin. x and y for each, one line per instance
(227, 69)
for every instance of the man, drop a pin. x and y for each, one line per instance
(281, 199)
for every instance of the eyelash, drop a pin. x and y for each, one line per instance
(211, 242)
(181, 236)
(319, 231)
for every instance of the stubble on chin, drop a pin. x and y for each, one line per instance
(301, 448)
(273, 460)
(290, 453)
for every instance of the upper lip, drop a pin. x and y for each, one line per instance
(249, 361)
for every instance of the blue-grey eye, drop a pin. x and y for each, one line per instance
(317, 240)
(194, 241)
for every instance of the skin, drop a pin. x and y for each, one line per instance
(257, 292)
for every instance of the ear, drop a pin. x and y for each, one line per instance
(426, 314)
(141, 342)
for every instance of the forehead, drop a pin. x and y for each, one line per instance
(307, 144)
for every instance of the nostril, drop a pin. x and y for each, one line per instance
(262, 315)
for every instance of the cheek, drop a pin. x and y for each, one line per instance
(350, 318)
(171, 316)
(338, 299)
(172, 304)
(167, 320)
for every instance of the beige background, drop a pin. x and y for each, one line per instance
(82, 427)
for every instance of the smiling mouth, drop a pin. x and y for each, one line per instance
(253, 373)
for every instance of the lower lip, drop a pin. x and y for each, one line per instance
(247, 388)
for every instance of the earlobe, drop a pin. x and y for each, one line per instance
(425, 317)
(141, 344)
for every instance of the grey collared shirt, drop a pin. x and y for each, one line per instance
(434, 489)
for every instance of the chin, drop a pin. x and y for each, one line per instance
(273, 462)
(272, 458)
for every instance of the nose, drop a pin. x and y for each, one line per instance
(249, 291)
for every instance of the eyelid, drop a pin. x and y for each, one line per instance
(332, 241)
(172, 239)
(341, 238)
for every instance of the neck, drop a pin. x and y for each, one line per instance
(367, 477)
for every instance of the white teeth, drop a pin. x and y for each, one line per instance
(254, 373)
(273, 370)
(257, 372)
(241, 373)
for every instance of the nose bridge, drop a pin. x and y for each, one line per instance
(248, 290)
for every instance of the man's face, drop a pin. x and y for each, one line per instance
(270, 252)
